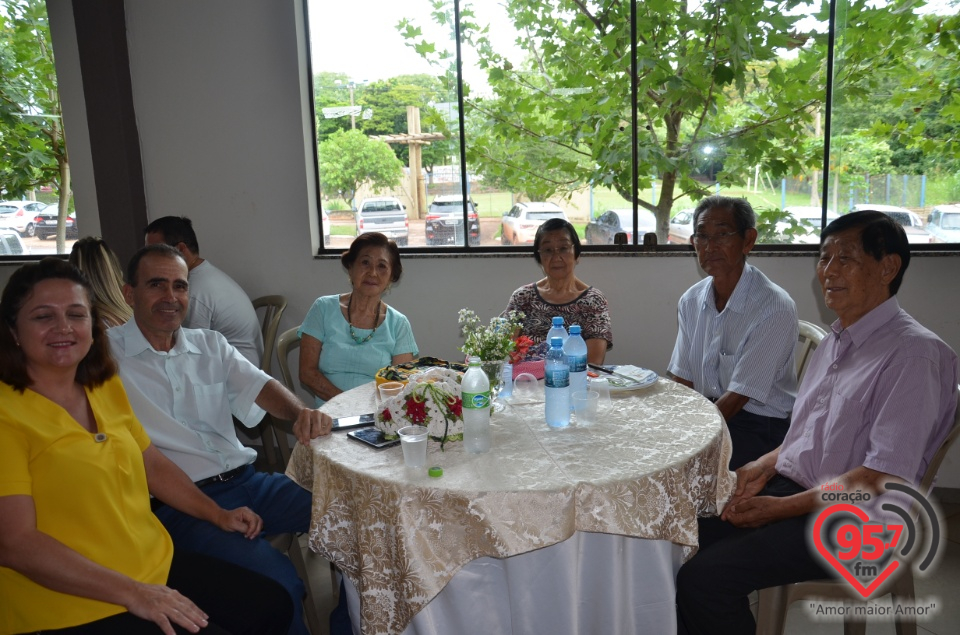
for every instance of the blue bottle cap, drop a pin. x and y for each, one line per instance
(556, 342)
(575, 329)
(558, 320)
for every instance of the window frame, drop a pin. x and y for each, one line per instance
(637, 246)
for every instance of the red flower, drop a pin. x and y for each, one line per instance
(416, 410)
(386, 415)
(521, 345)
(456, 407)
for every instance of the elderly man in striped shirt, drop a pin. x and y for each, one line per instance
(737, 332)
(877, 401)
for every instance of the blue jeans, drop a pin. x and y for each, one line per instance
(284, 507)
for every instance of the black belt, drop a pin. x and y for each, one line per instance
(223, 477)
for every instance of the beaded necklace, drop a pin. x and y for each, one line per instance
(353, 333)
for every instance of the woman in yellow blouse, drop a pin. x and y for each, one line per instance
(80, 549)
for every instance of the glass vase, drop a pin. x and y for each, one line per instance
(494, 371)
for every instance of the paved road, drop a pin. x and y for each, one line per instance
(42, 247)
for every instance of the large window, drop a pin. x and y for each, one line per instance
(621, 115)
(36, 206)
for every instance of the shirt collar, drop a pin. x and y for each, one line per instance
(861, 330)
(740, 296)
(135, 343)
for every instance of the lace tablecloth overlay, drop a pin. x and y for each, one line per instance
(647, 469)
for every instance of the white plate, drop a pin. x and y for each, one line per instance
(644, 376)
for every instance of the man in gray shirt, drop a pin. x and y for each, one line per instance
(216, 301)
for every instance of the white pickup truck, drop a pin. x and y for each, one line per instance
(386, 215)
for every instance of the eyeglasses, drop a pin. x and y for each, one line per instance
(720, 240)
(566, 250)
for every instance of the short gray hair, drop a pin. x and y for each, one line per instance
(743, 214)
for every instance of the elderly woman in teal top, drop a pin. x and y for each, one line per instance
(345, 339)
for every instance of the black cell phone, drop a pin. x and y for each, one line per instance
(345, 423)
(372, 437)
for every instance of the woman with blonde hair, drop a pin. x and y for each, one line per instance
(99, 264)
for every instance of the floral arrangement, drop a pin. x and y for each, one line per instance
(491, 342)
(521, 346)
(431, 398)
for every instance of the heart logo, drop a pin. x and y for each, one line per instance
(850, 538)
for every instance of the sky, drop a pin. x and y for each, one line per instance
(360, 38)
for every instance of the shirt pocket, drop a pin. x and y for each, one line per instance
(845, 441)
(211, 404)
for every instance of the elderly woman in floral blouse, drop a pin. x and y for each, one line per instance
(556, 249)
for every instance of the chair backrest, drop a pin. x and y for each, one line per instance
(810, 337)
(928, 477)
(286, 343)
(274, 306)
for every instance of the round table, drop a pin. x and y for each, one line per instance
(654, 462)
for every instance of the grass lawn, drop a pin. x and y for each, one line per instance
(343, 230)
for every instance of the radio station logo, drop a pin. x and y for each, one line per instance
(866, 551)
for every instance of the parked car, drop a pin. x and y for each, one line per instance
(11, 244)
(681, 227)
(19, 215)
(910, 221)
(444, 222)
(943, 224)
(809, 217)
(46, 224)
(602, 229)
(520, 224)
(386, 215)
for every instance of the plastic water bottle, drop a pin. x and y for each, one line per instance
(557, 330)
(507, 390)
(475, 392)
(557, 383)
(576, 351)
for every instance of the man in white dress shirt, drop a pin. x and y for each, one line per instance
(217, 302)
(737, 332)
(185, 386)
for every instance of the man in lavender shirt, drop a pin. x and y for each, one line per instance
(877, 401)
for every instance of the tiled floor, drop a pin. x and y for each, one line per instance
(941, 586)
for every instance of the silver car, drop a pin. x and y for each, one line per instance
(386, 215)
(910, 221)
(681, 227)
(520, 224)
(602, 229)
(943, 223)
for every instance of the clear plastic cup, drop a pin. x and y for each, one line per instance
(585, 407)
(413, 440)
(526, 388)
(601, 387)
(389, 389)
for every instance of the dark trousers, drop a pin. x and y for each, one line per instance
(238, 601)
(712, 587)
(754, 435)
(284, 507)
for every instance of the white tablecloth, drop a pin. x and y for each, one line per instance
(645, 471)
(591, 583)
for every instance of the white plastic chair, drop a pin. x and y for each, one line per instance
(810, 337)
(774, 601)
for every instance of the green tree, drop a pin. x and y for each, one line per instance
(33, 149)
(350, 158)
(388, 101)
(738, 77)
(331, 90)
